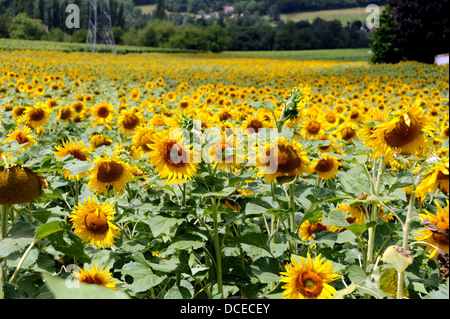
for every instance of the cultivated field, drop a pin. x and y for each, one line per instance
(155, 175)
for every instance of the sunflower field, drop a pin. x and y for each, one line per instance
(207, 176)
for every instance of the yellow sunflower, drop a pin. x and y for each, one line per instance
(254, 124)
(404, 133)
(109, 172)
(96, 275)
(103, 113)
(172, 158)
(435, 178)
(436, 232)
(23, 136)
(312, 127)
(36, 116)
(308, 279)
(308, 229)
(326, 167)
(78, 151)
(19, 185)
(282, 158)
(143, 138)
(64, 114)
(92, 222)
(128, 121)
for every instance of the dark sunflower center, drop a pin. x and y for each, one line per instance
(65, 114)
(348, 133)
(78, 155)
(96, 223)
(256, 125)
(109, 172)
(103, 112)
(441, 238)
(288, 159)
(310, 284)
(331, 118)
(313, 128)
(174, 154)
(37, 115)
(21, 138)
(316, 228)
(324, 165)
(92, 279)
(130, 122)
(403, 133)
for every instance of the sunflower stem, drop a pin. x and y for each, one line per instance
(217, 247)
(406, 227)
(4, 229)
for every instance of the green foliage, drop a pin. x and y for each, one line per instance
(23, 27)
(384, 46)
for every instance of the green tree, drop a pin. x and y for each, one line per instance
(217, 37)
(23, 27)
(191, 38)
(4, 25)
(160, 10)
(149, 37)
(384, 48)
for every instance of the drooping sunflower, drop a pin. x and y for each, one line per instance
(308, 279)
(93, 223)
(172, 157)
(19, 185)
(78, 150)
(96, 275)
(129, 120)
(109, 172)
(23, 135)
(435, 178)
(143, 138)
(326, 167)
(98, 140)
(404, 133)
(282, 158)
(436, 232)
(103, 113)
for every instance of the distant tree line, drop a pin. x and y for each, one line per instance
(25, 19)
(262, 7)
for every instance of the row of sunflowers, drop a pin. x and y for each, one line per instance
(207, 176)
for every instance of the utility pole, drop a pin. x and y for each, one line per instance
(100, 27)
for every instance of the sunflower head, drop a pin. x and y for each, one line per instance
(282, 158)
(308, 279)
(172, 157)
(19, 185)
(109, 172)
(326, 167)
(404, 133)
(437, 230)
(78, 151)
(97, 276)
(93, 222)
